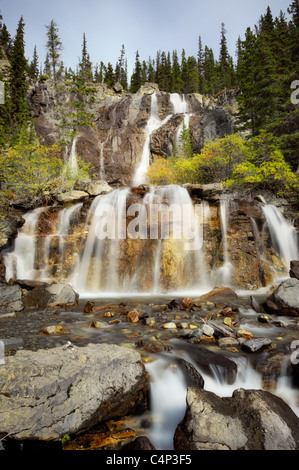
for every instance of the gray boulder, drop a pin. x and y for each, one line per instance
(49, 393)
(10, 298)
(285, 299)
(72, 196)
(54, 295)
(92, 187)
(249, 420)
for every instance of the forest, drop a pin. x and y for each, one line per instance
(264, 75)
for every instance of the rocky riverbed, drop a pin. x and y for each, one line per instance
(199, 341)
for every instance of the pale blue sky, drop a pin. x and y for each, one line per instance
(146, 25)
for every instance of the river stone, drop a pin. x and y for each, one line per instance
(49, 393)
(249, 420)
(286, 298)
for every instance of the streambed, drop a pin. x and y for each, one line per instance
(162, 350)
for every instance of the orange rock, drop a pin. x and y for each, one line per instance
(187, 302)
(133, 316)
(244, 334)
(227, 312)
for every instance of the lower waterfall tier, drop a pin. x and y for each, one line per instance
(157, 240)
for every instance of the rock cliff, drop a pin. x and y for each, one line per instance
(107, 128)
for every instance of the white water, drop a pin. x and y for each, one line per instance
(103, 224)
(20, 260)
(73, 164)
(224, 273)
(64, 219)
(179, 103)
(283, 235)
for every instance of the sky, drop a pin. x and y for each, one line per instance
(143, 25)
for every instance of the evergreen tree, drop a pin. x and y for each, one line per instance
(200, 59)
(54, 47)
(121, 74)
(225, 70)
(85, 65)
(109, 77)
(18, 77)
(34, 67)
(136, 79)
(209, 72)
(151, 70)
(177, 83)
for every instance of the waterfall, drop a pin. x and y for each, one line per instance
(20, 258)
(153, 124)
(96, 270)
(64, 219)
(283, 235)
(224, 272)
(179, 104)
(73, 164)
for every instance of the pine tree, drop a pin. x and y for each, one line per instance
(225, 63)
(200, 59)
(18, 77)
(136, 79)
(209, 72)
(177, 83)
(109, 77)
(54, 47)
(121, 74)
(34, 67)
(85, 65)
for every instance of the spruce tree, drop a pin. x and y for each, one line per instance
(18, 77)
(136, 79)
(85, 65)
(177, 83)
(54, 47)
(34, 67)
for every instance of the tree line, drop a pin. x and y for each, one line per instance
(266, 64)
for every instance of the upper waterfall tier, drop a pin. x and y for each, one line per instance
(127, 131)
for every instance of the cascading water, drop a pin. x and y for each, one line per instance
(96, 269)
(72, 163)
(64, 219)
(283, 235)
(20, 259)
(224, 273)
(153, 124)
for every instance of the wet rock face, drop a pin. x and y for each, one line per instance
(113, 141)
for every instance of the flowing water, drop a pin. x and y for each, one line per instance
(157, 249)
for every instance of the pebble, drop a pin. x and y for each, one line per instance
(244, 334)
(207, 330)
(169, 325)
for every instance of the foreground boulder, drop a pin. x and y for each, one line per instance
(54, 295)
(49, 393)
(249, 420)
(285, 299)
(10, 298)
